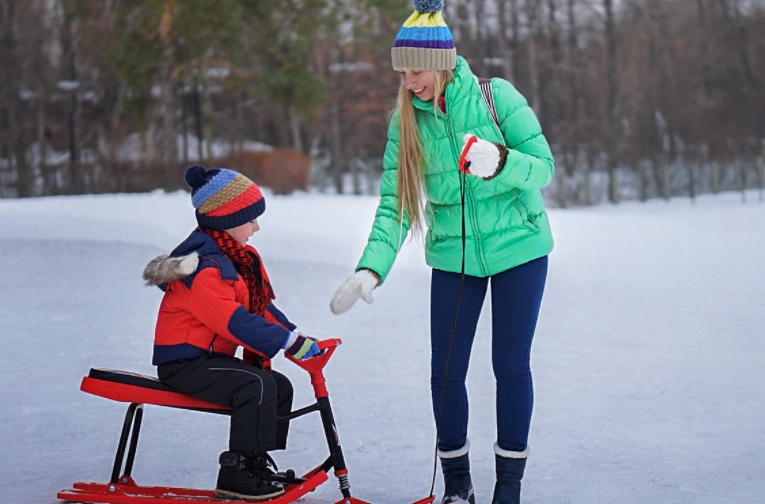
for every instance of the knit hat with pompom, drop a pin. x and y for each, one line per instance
(223, 198)
(424, 42)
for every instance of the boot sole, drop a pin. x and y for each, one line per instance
(227, 494)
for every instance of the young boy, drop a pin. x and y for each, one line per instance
(217, 298)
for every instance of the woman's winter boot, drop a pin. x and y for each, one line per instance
(237, 480)
(458, 488)
(510, 468)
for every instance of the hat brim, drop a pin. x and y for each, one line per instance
(418, 58)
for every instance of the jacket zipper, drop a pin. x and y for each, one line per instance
(469, 197)
(478, 244)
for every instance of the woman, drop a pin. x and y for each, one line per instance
(485, 226)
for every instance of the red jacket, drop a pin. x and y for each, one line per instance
(204, 307)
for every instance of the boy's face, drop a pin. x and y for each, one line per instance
(420, 82)
(242, 233)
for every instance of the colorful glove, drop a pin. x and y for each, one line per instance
(300, 346)
(485, 159)
(359, 285)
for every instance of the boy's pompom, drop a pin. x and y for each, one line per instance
(195, 176)
(423, 6)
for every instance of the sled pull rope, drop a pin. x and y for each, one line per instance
(451, 334)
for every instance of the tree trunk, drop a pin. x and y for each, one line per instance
(506, 48)
(706, 71)
(297, 143)
(24, 170)
(480, 27)
(573, 63)
(42, 143)
(557, 111)
(569, 136)
(732, 14)
(532, 13)
(168, 143)
(515, 26)
(613, 93)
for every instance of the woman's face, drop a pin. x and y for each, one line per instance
(242, 233)
(421, 82)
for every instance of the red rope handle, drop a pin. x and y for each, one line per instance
(464, 163)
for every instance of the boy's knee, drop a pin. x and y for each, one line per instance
(283, 384)
(258, 389)
(269, 385)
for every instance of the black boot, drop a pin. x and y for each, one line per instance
(236, 479)
(458, 487)
(264, 467)
(509, 475)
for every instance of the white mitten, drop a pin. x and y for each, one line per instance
(359, 285)
(486, 158)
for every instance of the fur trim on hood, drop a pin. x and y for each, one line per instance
(164, 269)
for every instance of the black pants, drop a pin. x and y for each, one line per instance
(255, 396)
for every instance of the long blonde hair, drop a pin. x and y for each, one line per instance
(410, 154)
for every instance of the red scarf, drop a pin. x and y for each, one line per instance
(249, 265)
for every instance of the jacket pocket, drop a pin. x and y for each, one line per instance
(525, 218)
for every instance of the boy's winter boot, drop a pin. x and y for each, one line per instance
(237, 480)
(264, 467)
(510, 468)
(458, 488)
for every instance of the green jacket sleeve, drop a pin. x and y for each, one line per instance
(388, 232)
(529, 163)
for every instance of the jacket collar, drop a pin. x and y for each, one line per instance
(201, 243)
(463, 77)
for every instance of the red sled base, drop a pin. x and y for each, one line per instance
(138, 390)
(128, 491)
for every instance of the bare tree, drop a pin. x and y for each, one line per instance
(535, 27)
(612, 122)
(668, 87)
(168, 151)
(508, 36)
(731, 10)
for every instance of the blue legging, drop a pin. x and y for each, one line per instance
(516, 295)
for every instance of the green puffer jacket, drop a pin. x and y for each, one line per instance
(506, 224)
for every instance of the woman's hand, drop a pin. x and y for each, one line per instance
(359, 285)
(485, 159)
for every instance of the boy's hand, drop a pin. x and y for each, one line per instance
(359, 285)
(301, 346)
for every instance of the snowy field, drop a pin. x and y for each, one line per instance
(648, 359)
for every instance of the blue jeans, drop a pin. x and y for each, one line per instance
(516, 295)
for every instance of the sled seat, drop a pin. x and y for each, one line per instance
(130, 387)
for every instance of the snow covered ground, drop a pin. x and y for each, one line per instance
(647, 360)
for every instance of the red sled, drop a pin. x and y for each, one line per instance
(137, 389)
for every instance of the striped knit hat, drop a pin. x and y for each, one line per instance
(424, 42)
(223, 199)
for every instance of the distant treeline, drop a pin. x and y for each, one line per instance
(639, 98)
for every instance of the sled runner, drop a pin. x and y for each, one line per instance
(139, 390)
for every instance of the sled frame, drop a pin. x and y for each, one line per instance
(131, 429)
(123, 489)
